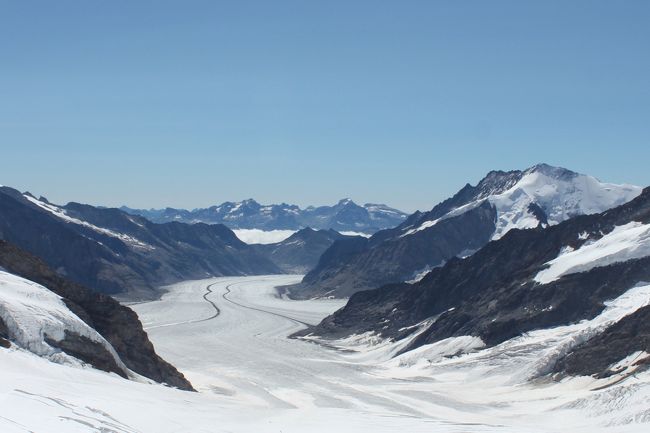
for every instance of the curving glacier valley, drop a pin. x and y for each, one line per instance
(229, 336)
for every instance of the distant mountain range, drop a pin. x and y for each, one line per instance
(345, 216)
(539, 196)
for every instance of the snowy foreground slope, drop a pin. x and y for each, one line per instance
(38, 319)
(232, 345)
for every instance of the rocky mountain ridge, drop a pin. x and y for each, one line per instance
(457, 227)
(527, 280)
(117, 253)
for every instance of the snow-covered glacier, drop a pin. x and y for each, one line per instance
(229, 337)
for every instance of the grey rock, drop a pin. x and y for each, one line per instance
(493, 295)
(118, 324)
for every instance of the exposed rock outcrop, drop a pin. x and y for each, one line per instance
(457, 227)
(497, 293)
(118, 324)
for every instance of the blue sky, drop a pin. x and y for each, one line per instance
(191, 103)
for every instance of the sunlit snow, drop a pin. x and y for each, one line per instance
(252, 378)
(630, 241)
(560, 198)
(256, 236)
(60, 213)
(33, 313)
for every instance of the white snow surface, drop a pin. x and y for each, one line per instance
(626, 242)
(257, 236)
(560, 197)
(349, 233)
(252, 378)
(31, 312)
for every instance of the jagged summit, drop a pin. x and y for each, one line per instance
(552, 171)
(525, 198)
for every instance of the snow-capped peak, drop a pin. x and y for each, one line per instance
(541, 194)
(559, 193)
(345, 201)
(552, 171)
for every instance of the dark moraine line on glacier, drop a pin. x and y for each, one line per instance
(307, 325)
(224, 296)
(217, 311)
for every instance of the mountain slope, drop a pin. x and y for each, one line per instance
(300, 252)
(50, 316)
(114, 252)
(539, 196)
(248, 214)
(527, 280)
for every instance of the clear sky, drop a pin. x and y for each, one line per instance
(191, 103)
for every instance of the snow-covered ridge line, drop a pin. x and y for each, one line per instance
(454, 213)
(60, 213)
(560, 193)
(626, 242)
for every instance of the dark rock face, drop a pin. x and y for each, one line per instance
(118, 324)
(493, 295)
(112, 251)
(631, 334)
(248, 214)
(389, 257)
(300, 252)
(4, 335)
(88, 351)
(349, 267)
